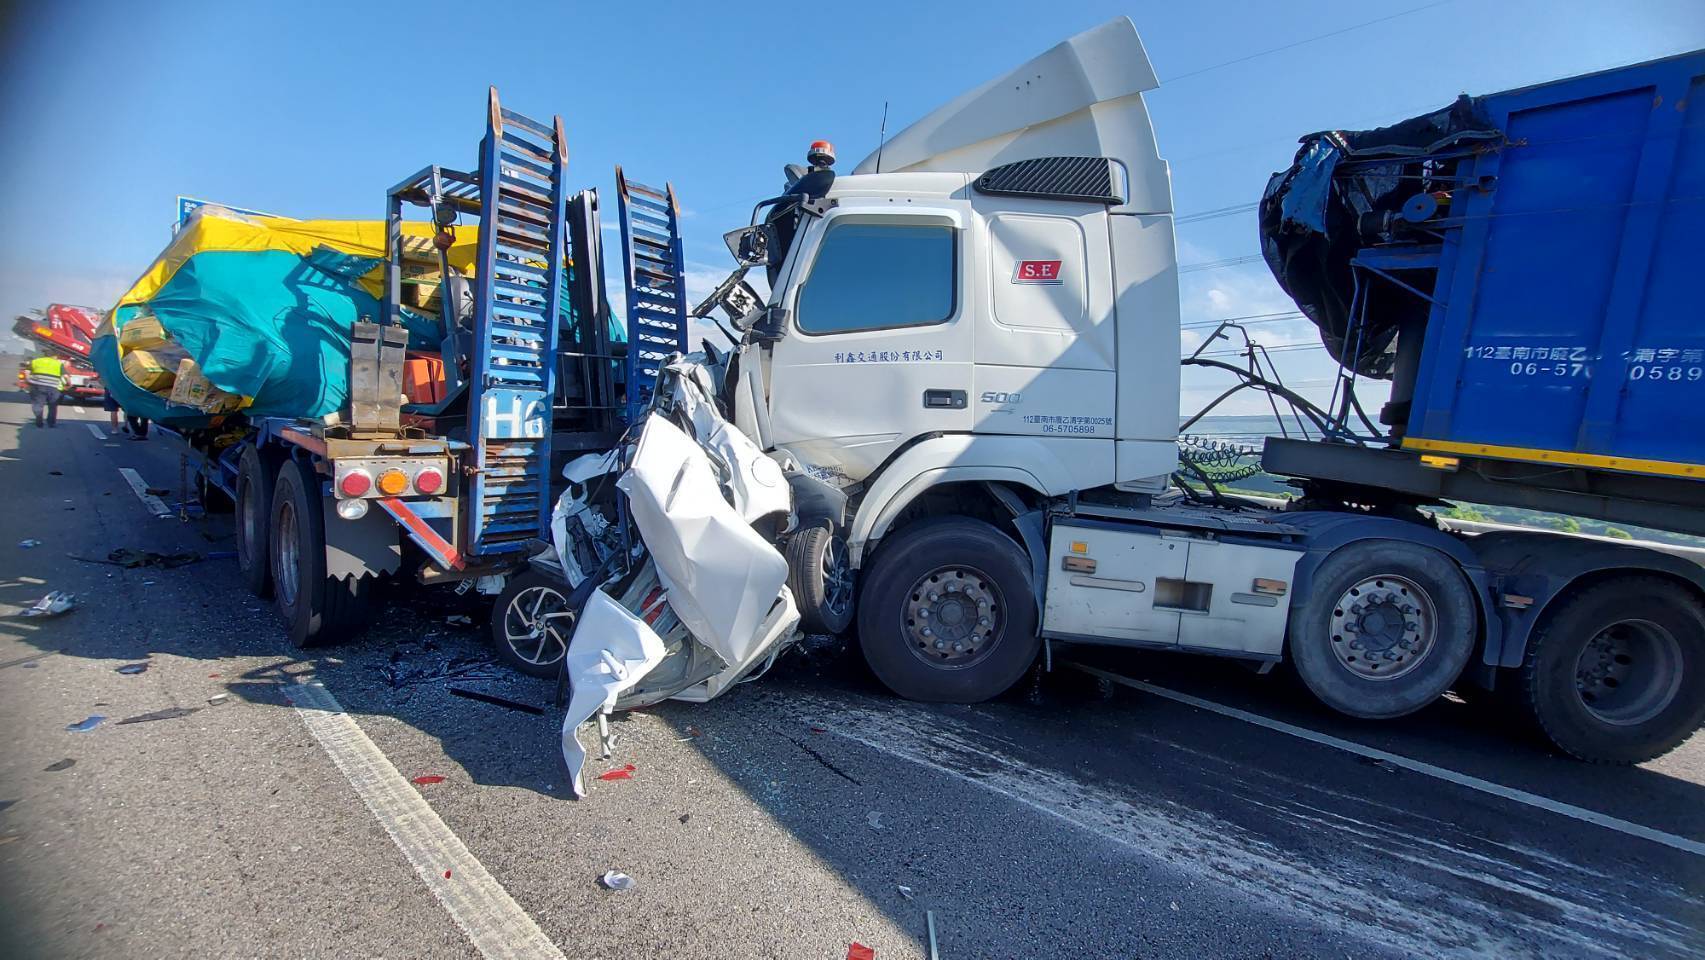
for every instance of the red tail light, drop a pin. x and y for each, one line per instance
(355, 483)
(428, 481)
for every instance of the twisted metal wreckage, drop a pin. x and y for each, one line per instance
(699, 602)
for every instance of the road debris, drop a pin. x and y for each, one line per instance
(494, 699)
(84, 726)
(459, 620)
(615, 880)
(684, 818)
(692, 733)
(620, 773)
(132, 669)
(131, 559)
(170, 713)
(874, 818)
(218, 699)
(399, 672)
(59, 765)
(52, 605)
(29, 544)
(427, 778)
(858, 951)
(929, 925)
(906, 892)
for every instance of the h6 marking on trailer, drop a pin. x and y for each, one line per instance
(1036, 271)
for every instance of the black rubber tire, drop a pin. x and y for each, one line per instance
(911, 554)
(322, 610)
(1548, 689)
(1310, 640)
(514, 588)
(254, 522)
(805, 577)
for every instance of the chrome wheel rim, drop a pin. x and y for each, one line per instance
(954, 617)
(837, 576)
(288, 552)
(537, 625)
(1629, 672)
(1383, 627)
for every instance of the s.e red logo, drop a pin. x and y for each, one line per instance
(1036, 271)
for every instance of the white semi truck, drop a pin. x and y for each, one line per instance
(971, 345)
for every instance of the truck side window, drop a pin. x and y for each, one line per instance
(871, 276)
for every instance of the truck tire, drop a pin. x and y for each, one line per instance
(316, 608)
(947, 613)
(821, 578)
(1612, 674)
(1387, 628)
(254, 522)
(525, 640)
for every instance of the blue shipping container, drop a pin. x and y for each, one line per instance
(1568, 316)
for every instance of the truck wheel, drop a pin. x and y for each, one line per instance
(947, 613)
(1387, 629)
(527, 638)
(254, 522)
(821, 578)
(1612, 675)
(316, 608)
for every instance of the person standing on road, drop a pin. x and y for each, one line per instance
(47, 386)
(137, 426)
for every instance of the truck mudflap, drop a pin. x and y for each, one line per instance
(702, 602)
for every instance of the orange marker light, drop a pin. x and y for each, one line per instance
(393, 482)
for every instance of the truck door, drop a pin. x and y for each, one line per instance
(878, 344)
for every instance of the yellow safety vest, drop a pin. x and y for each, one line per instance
(48, 372)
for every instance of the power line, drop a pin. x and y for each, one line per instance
(1218, 264)
(1298, 43)
(1248, 321)
(1216, 213)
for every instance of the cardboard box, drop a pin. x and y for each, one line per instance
(143, 332)
(149, 371)
(191, 388)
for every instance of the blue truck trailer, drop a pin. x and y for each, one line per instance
(1527, 269)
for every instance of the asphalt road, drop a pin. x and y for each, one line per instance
(796, 815)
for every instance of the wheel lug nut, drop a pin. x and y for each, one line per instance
(1355, 644)
(934, 597)
(941, 644)
(953, 588)
(923, 614)
(959, 648)
(928, 632)
(982, 621)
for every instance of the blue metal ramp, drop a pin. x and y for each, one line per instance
(518, 299)
(656, 291)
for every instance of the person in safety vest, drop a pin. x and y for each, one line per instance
(47, 386)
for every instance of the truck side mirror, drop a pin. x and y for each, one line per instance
(751, 245)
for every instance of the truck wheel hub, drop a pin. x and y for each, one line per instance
(1629, 672)
(1382, 627)
(953, 617)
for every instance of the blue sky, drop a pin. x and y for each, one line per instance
(108, 111)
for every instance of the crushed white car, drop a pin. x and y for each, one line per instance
(700, 601)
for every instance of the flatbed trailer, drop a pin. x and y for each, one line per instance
(460, 485)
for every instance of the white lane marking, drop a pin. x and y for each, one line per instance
(96, 431)
(140, 486)
(496, 924)
(1417, 766)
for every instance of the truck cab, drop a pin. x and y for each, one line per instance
(969, 364)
